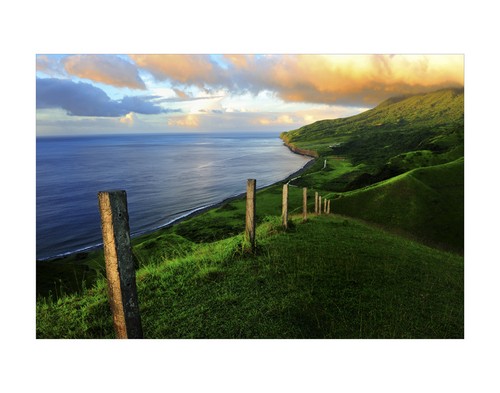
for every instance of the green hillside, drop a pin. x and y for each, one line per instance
(400, 164)
(426, 202)
(326, 278)
(431, 122)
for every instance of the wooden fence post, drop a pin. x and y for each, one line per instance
(319, 205)
(120, 270)
(250, 213)
(324, 207)
(304, 204)
(328, 207)
(315, 203)
(284, 209)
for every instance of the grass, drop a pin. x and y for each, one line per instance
(326, 278)
(335, 176)
(426, 202)
(229, 219)
(70, 274)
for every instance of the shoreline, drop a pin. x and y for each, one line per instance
(193, 213)
(298, 150)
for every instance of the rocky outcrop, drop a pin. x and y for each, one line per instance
(298, 150)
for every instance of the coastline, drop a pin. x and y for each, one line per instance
(298, 150)
(201, 210)
(194, 212)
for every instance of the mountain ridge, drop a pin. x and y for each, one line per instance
(399, 109)
(399, 134)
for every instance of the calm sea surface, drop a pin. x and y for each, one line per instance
(166, 177)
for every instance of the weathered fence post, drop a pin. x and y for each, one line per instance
(304, 204)
(315, 203)
(120, 270)
(328, 207)
(324, 207)
(250, 213)
(319, 205)
(284, 209)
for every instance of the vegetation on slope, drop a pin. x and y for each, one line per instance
(326, 278)
(403, 147)
(426, 202)
(431, 121)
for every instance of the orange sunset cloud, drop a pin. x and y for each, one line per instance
(350, 79)
(330, 79)
(186, 69)
(110, 70)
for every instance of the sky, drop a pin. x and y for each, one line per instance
(160, 93)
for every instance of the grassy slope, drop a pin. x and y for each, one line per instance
(414, 137)
(327, 278)
(426, 202)
(432, 121)
(73, 273)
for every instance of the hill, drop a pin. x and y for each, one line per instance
(326, 278)
(399, 164)
(432, 123)
(426, 202)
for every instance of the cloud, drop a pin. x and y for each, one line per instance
(107, 69)
(165, 95)
(198, 70)
(181, 94)
(282, 119)
(141, 104)
(128, 119)
(190, 121)
(49, 65)
(351, 80)
(84, 99)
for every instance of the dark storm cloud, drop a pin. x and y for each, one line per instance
(84, 99)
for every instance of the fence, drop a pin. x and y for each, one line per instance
(120, 269)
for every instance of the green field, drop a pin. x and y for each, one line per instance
(326, 278)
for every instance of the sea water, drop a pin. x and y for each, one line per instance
(166, 177)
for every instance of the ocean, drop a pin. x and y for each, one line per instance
(166, 177)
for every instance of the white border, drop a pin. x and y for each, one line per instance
(253, 27)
